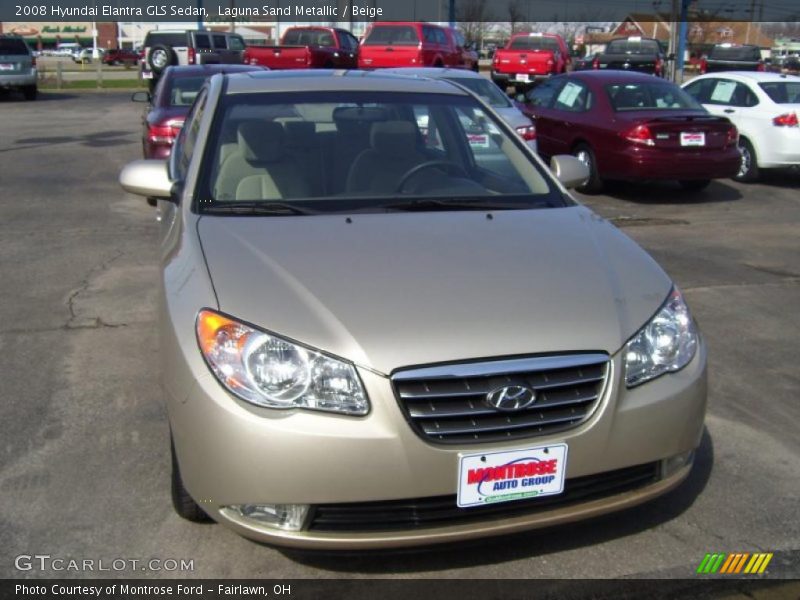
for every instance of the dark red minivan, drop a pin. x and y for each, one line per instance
(631, 126)
(397, 44)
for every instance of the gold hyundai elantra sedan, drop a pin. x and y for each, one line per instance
(384, 322)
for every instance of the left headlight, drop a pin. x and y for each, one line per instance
(267, 370)
(665, 344)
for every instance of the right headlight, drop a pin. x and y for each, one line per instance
(267, 370)
(665, 344)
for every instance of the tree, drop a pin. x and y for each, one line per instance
(515, 15)
(473, 16)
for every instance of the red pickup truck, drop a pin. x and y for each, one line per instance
(528, 58)
(414, 44)
(307, 48)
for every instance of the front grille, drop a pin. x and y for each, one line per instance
(448, 404)
(442, 510)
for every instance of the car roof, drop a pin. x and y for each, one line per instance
(189, 70)
(754, 76)
(432, 72)
(619, 75)
(334, 81)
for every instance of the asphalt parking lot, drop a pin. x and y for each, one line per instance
(84, 455)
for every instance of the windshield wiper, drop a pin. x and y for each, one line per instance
(480, 203)
(267, 207)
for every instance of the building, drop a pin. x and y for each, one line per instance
(46, 35)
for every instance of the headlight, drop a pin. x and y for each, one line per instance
(666, 343)
(267, 370)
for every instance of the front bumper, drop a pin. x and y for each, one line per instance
(231, 453)
(18, 80)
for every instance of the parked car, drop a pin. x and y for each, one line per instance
(168, 106)
(66, 49)
(732, 57)
(308, 48)
(633, 53)
(585, 63)
(85, 55)
(765, 109)
(163, 49)
(441, 349)
(17, 66)
(469, 56)
(528, 58)
(120, 56)
(485, 90)
(399, 44)
(632, 126)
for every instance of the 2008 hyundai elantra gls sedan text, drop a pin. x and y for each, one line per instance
(372, 337)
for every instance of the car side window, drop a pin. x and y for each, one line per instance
(202, 41)
(441, 38)
(429, 35)
(542, 95)
(219, 42)
(573, 97)
(732, 93)
(187, 140)
(701, 90)
(235, 43)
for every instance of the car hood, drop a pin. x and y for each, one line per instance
(513, 116)
(400, 289)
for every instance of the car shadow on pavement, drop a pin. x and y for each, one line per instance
(785, 178)
(668, 192)
(11, 97)
(92, 140)
(524, 545)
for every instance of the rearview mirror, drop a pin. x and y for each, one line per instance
(140, 97)
(148, 178)
(570, 171)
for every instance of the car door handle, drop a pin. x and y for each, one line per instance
(729, 110)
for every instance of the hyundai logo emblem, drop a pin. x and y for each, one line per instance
(511, 398)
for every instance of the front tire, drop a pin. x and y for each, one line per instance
(182, 502)
(585, 154)
(748, 171)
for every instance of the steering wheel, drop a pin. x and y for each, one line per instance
(447, 165)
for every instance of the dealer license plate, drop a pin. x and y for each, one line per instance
(147, 75)
(490, 477)
(523, 77)
(6, 66)
(693, 139)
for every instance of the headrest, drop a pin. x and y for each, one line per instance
(261, 141)
(299, 133)
(394, 138)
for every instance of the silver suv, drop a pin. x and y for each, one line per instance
(17, 66)
(163, 49)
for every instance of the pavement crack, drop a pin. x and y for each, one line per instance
(91, 322)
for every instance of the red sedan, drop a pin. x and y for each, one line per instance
(631, 126)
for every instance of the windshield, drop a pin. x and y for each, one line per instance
(397, 35)
(650, 96)
(735, 53)
(485, 89)
(370, 151)
(782, 92)
(534, 43)
(632, 47)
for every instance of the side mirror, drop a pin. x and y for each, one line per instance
(148, 178)
(570, 171)
(141, 97)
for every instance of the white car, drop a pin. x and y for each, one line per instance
(765, 108)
